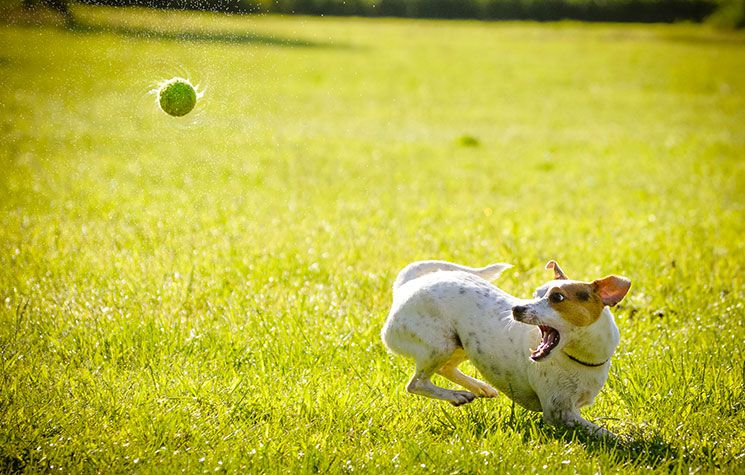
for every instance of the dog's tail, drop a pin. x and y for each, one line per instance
(418, 269)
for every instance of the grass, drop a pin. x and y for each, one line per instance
(205, 294)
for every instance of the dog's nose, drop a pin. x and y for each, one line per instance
(518, 311)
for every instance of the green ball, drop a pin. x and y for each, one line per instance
(177, 97)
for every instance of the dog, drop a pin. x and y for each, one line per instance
(443, 314)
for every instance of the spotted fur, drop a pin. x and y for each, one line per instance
(443, 314)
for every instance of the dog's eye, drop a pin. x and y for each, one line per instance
(556, 297)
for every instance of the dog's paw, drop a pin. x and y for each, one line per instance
(458, 398)
(484, 390)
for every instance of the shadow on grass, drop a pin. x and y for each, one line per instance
(652, 452)
(640, 451)
(197, 36)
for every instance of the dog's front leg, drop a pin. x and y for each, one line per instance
(558, 416)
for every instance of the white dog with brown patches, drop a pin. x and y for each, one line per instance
(444, 314)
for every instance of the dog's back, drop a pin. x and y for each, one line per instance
(420, 268)
(419, 278)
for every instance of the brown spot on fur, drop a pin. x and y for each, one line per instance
(581, 305)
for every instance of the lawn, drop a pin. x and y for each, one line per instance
(205, 294)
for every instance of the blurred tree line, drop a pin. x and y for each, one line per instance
(725, 12)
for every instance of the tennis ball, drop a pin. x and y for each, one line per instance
(177, 97)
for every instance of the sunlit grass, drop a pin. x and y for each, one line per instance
(206, 293)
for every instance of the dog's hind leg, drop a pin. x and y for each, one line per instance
(450, 371)
(431, 344)
(426, 367)
(422, 385)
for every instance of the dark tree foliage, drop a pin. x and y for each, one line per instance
(541, 10)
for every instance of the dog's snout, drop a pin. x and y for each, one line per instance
(518, 311)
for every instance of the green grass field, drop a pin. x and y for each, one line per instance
(205, 294)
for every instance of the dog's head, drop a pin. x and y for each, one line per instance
(562, 305)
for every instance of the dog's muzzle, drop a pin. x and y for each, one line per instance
(518, 312)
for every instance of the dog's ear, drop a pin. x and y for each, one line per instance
(558, 273)
(611, 289)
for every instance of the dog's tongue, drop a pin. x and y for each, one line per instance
(549, 340)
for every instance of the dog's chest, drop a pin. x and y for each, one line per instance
(591, 381)
(566, 380)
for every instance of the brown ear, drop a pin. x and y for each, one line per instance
(612, 289)
(558, 273)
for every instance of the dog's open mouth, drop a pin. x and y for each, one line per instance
(549, 340)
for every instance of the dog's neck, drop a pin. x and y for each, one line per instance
(594, 344)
